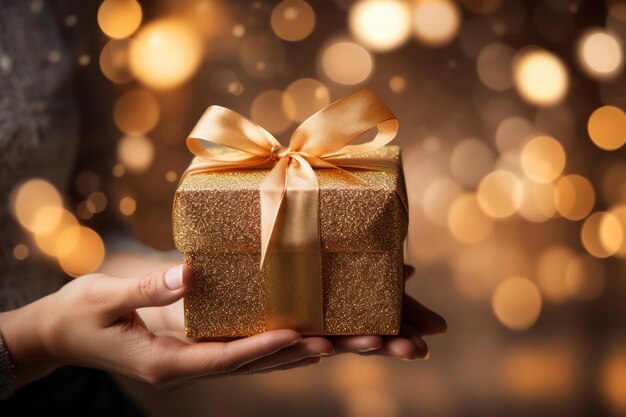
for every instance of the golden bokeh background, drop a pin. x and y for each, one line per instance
(512, 128)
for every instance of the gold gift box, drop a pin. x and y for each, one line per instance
(216, 221)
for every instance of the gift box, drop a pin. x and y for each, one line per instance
(362, 224)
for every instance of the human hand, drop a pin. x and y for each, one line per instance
(92, 322)
(417, 321)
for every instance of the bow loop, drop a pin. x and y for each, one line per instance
(321, 141)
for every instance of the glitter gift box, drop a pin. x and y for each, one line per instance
(216, 221)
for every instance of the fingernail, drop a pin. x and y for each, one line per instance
(369, 349)
(174, 278)
(426, 356)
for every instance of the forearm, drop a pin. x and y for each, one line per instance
(23, 333)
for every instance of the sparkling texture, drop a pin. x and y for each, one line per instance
(216, 220)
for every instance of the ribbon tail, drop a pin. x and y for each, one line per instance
(272, 194)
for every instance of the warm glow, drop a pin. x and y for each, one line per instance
(136, 112)
(20, 251)
(87, 253)
(304, 97)
(347, 63)
(467, 222)
(293, 20)
(266, 110)
(135, 152)
(30, 197)
(98, 202)
(540, 76)
(494, 66)
(62, 239)
(532, 374)
(620, 214)
(512, 132)
(127, 205)
(574, 197)
(438, 198)
(613, 380)
(585, 277)
(119, 18)
(551, 273)
(516, 303)
(500, 194)
(436, 22)
(380, 25)
(543, 159)
(470, 161)
(607, 128)
(114, 61)
(397, 84)
(602, 234)
(165, 53)
(600, 54)
(538, 201)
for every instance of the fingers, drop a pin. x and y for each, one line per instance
(225, 357)
(157, 288)
(356, 344)
(409, 345)
(422, 319)
(409, 270)
(302, 363)
(310, 347)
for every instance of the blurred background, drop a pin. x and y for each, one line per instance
(512, 130)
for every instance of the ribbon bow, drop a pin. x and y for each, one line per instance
(289, 194)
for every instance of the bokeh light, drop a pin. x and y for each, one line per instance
(119, 18)
(543, 159)
(136, 112)
(620, 214)
(574, 197)
(346, 63)
(494, 66)
(87, 252)
(397, 84)
(470, 161)
(304, 97)
(585, 277)
(30, 197)
(540, 76)
(551, 273)
(613, 380)
(114, 61)
(538, 201)
(516, 303)
(266, 110)
(512, 132)
(467, 221)
(135, 152)
(293, 20)
(500, 194)
(62, 239)
(602, 234)
(262, 55)
(128, 205)
(436, 22)
(600, 54)
(20, 251)
(165, 53)
(606, 128)
(438, 198)
(380, 25)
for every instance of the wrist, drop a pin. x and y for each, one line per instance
(24, 333)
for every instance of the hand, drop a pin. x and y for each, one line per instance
(417, 321)
(92, 322)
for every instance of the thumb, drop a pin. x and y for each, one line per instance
(157, 288)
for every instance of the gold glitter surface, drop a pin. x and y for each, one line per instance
(216, 222)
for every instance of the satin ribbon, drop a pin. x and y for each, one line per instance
(289, 194)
